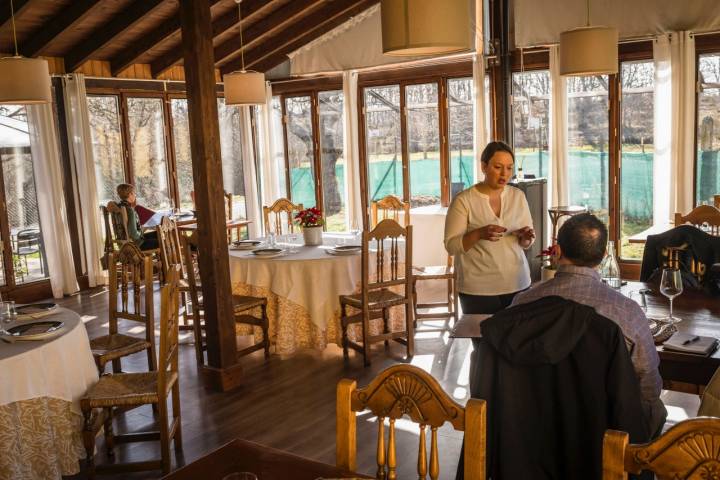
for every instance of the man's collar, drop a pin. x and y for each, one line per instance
(576, 270)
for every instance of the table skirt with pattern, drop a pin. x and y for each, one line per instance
(41, 439)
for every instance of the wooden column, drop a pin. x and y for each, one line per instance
(223, 371)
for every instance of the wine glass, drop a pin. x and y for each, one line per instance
(671, 286)
(355, 230)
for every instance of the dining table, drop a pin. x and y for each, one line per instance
(699, 313)
(41, 383)
(265, 462)
(303, 285)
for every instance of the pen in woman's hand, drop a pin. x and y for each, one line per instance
(691, 340)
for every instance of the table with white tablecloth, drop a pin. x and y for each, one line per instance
(303, 290)
(41, 383)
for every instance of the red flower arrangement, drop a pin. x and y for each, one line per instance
(310, 217)
(550, 255)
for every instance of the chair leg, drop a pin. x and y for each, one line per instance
(164, 435)
(89, 442)
(343, 315)
(365, 335)
(386, 324)
(266, 331)
(109, 435)
(176, 416)
(410, 330)
(116, 366)
(414, 297)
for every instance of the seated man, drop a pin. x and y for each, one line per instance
(147, 240)
(582, 243)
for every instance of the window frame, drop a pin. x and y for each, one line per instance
(704, 45)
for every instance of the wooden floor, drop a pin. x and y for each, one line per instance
(289, 403)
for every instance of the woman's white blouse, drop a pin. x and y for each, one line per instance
(488, 268)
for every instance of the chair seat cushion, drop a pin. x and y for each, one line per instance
(380, 298)
(125, 389)
(117, 345)
(243, 302)
(435, 271)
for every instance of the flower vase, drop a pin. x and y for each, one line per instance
(547, 273)
(313, 235)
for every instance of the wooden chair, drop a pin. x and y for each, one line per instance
(408, 390)
(389, 206)
(376, 298)
(689, 450)
(131, 275)
(282, 205)
(171, 255)
(716, 201)
(128, 390)
(242, 305)
(704, 216)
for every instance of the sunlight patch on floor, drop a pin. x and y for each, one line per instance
(464, 375)
(423, 361)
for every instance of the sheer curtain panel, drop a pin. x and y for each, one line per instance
(351, 150)
(557, 181)
(250, 178)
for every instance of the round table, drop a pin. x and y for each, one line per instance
(41, 383)
(303, 290)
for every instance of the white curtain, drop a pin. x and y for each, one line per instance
(351, 151)
(662, 133)
(271, 185)
(81, 158)
(51, 204)
(682, 66)
(557, 178)
(480, 136)
(249, 174)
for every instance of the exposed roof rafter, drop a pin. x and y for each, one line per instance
(40, 39)
(5, 16)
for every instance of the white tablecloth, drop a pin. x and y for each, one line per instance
(41, 383)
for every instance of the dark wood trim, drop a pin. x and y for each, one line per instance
(104, 34)
(362, 151)
(317, 161)
(284, 120)
(118, 85)
(222, 379)
(614, 147)
(28, 292)
(404, 156)
(71, 15)
(455, 68)
(307, 85)
(5, 16)
(709, 43)
(635, 51)
(444, 137)
(532, 59)
(173, 187)
(630, 270)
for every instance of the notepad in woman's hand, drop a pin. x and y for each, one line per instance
(689, 343)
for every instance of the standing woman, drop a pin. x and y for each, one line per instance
(487, 228)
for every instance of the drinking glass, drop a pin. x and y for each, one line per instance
(241, 476)
(271, 239)
(5, 314)
(355, 230)
(671, 286)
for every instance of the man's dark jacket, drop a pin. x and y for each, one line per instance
(555, 375)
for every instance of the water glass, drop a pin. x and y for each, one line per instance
(271, 239)
(671, 286)
(241, 476)
(7, 311)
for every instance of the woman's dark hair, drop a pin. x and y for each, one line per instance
(583, 240)
(492, 148)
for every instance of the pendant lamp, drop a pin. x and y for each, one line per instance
(589, 50)
(23, 81)
(244, 87)
(425, 27)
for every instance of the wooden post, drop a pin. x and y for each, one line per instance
(223, 371)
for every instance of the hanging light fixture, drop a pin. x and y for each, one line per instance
(244, 87)
(589, 50)
(23, 81)
(425, 27)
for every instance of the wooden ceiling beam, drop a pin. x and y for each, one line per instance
(71, 15)
(268, 25)
(219, 26)
(5, 16)
(130, 55)
(101, 36)
(274, 51)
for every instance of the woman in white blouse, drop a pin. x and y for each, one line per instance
(487, 228)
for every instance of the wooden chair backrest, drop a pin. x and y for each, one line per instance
(390, 206)
(169, 242)
(131, 288)
(716, 201)
(273, 214)
(700, 216)
(386, 239)
(406, 390)
(169, 325)
(228, 205)
(190, 248)
(118, 217)
(689, 450)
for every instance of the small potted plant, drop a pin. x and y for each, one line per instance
(549, 257)
(311, 221)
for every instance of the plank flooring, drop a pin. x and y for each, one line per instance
(289, 402)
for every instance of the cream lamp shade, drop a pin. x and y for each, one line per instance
(425, 27)
(244, 88)
(589, 51)
(24, 81)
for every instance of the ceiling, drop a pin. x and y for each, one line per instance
(126, 32)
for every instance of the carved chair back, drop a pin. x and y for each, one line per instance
(273, 216)
(716, 201)
(169, 241)
(390, 206)
(406, 390)
(169, 326)
(387, 240)
(706, 217)
(689, 450)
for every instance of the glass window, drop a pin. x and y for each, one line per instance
(107, 144)
(531, 118)
(460, 126)
(636, 167)
(707, 172)
(181, 147)
(423, 137)
(383, 142)
(300, 150)
(28, 252)
(147, 143)
(588, 155)
(231, 150)
(332, 159)
(276, 120)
